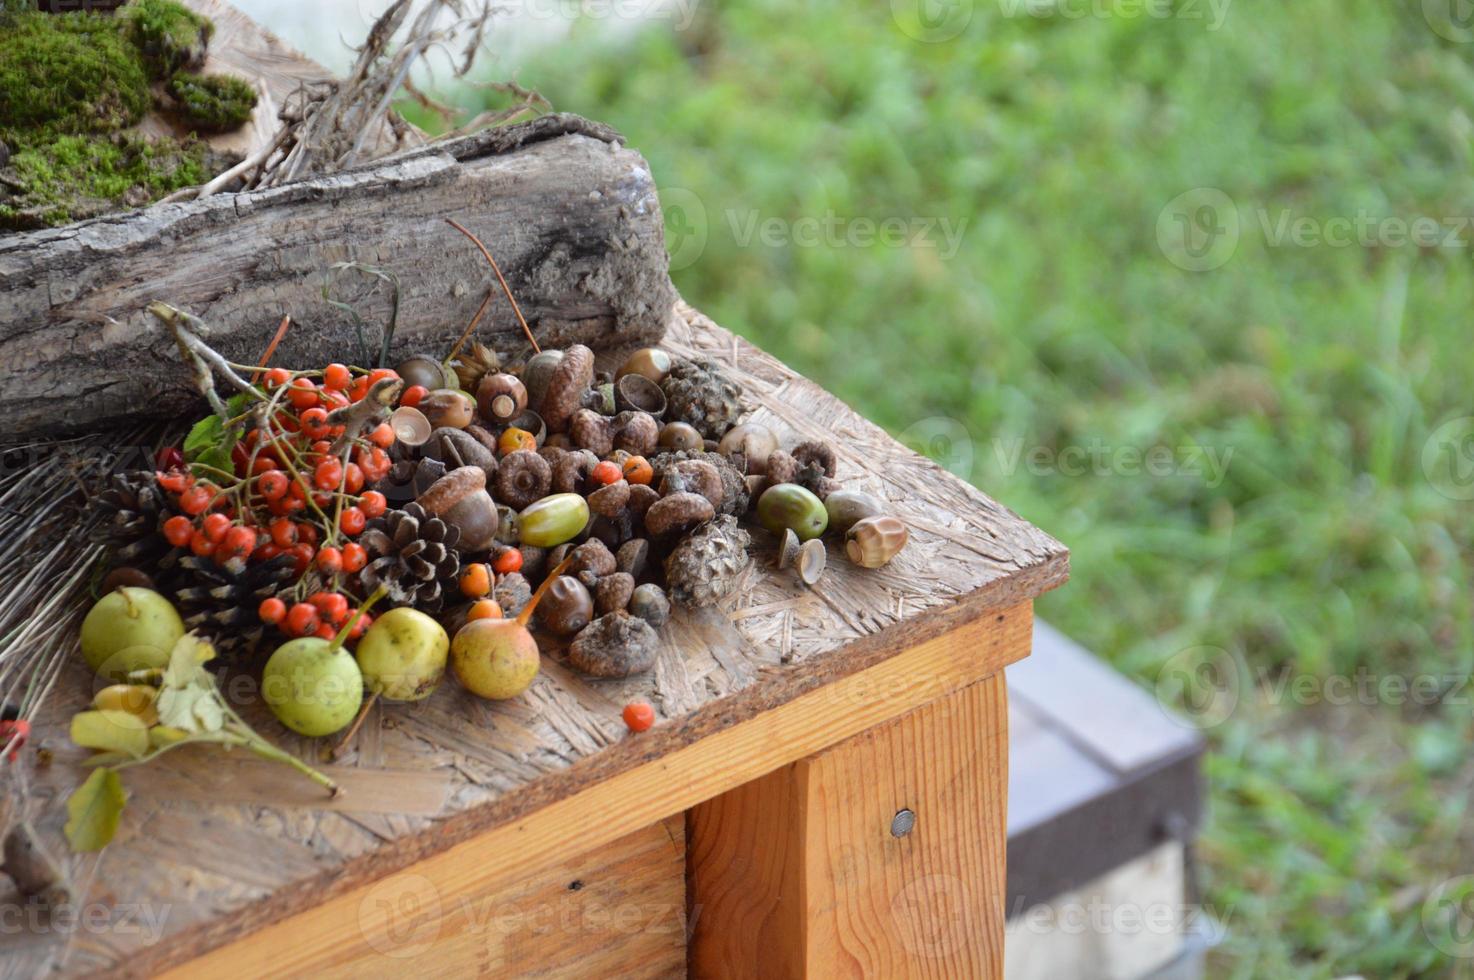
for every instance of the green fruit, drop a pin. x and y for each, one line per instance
(402, 656)
(494, 658)
(312, 686)
(846, 507)
(553, 520)
(790, 506)
(129, 629)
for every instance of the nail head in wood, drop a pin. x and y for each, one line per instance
(902, 823)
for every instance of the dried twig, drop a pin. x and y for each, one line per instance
(505, 288)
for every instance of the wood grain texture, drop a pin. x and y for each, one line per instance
(570, 214)
(798, 874)
(616, 910)
(557, 765)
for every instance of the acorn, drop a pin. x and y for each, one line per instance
(523, 478)
(873, 541)
(457, 447)
(425, 371)
(634, 433)
(680, 435)
(593, 556)
(410, 426)
(812, 557)
(650, 362)
(677, 513)
(696, 476)
(459, 498)
(650, 603)
(536, 374)
(448, 407)
(500, 397)
(815, 453)
(788, 550)
(566, 607)
(632, 557)
(553, 520)
(755, 443)
(789, 505)
(637, 393)
(570, 379)
(846, 507)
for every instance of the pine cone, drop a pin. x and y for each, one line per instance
(413, 555)
(221, 600)
(699, 394)
(706, 567)
(474, 364)
(134, 508)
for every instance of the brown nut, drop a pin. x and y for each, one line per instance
(592, 431)
(425, 371)
(459, 498)
(642, 498)
(678, 512)
(847, 507)
(536, 374)
(680, 435)
(650, 603)
(613, 592)
(593, 556)
(500, 397)
(448, 407)
(566, 607)
(570, 379)
(633, 556)
(614, 645)
(873, 541)
(650, 362)
(754, 442)
(610, 501)
(523, 478)
(637, 393)
(636, 433)
(694, 476)
(457, 447)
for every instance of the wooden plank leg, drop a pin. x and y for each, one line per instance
(809, 871)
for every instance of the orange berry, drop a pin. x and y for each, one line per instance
(178, 530)
(605, 473)
(514, 439)
(476, 580)
(354, 557)
(382, 435)
(335, 377)
(639, 716)
(303, 393)
(637, 469)
(412, 395)
(271, 610)
(352, 521)
(484, 609)
(372, 503)
(330, 561)
(508, 561)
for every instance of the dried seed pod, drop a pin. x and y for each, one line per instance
(523, 478)
(650, 362)
(566, 607)
(788, 550)
(512, 593)
(708, 565)
(610, 501)
(650, 603)
(680, 435)
(677, 513)
(410, 426)
(642, 498)
(637, 393)
(812, 557)
(459, 498)
(614, 645)
(820, 454)
(448, 407)
(592, 431)
(636, 433)
(500, 397)
(753, 442)
(593, 556)
(572, 469)
(694, 476)
(570, 379)
(873, 541)
(735, 494)
(781, 468)
(632, 557)
(846, 507)
(613, 592)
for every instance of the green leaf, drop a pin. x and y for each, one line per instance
(110, 731)
(209, 441)
(93, 811)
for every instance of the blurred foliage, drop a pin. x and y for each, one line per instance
(1318, 373)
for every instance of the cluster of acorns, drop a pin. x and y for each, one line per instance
(453, 488)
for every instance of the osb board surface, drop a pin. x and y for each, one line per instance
(212, 847)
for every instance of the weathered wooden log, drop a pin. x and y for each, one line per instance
(569, 213)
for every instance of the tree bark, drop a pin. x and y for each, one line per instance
(569, 213)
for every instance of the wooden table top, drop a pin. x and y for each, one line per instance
(217, 845)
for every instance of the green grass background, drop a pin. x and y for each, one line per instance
(1055, 142)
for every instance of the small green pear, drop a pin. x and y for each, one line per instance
(129, 629)
(313, 686)
(402, 656)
